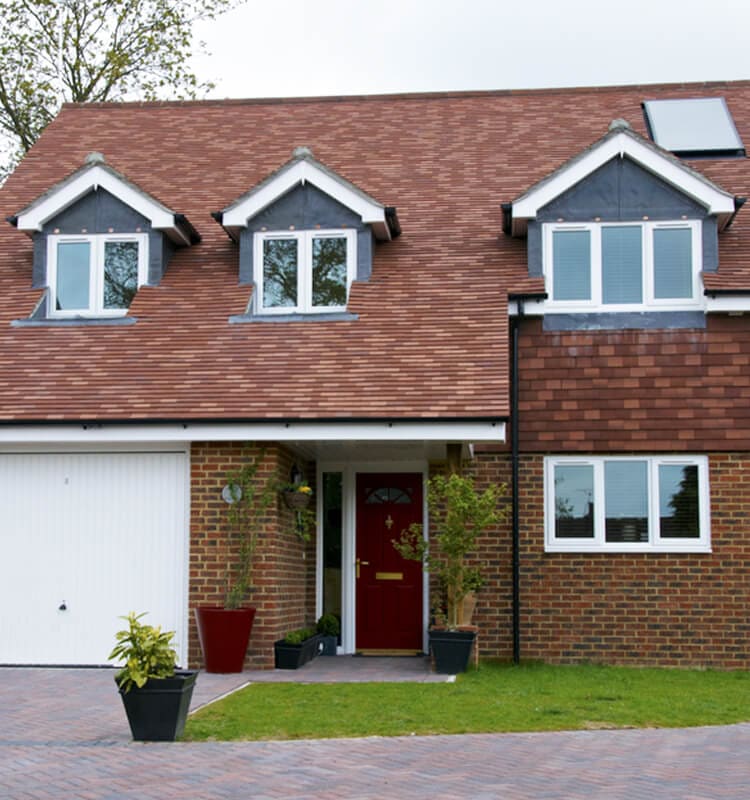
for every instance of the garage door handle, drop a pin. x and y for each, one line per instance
(62, 606)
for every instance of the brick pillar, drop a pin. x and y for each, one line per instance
(284, 571)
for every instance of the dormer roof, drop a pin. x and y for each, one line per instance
(303, 168)
(620, 142)
(93, 175)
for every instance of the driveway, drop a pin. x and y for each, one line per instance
(63, 734)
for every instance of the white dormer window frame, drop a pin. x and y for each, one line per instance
(594, 300)
(299, 296)
(97, 305)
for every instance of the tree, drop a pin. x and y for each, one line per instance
(53, 51)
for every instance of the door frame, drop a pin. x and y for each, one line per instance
(349, 471)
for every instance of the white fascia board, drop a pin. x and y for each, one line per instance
(728, 304)
(372, 213)
(257, 431)
(34, 218)
(715, 200)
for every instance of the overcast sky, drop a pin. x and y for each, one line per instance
(283, 48)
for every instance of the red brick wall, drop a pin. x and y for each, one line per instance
(654, 391)
(284, 576)
(641, 608)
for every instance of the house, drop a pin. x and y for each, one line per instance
(550, 285)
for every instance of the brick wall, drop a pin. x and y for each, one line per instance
(645, 608)
(642, 609)
(284, 575)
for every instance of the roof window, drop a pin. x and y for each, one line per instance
(699, 126)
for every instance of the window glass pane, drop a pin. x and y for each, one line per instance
(572, 265)
(622, 264)
(678, 502)
(73, 259)
(673, 263)
(120, 273)
(329, 271)
(332, 532)
(574, 501)
(626, 501)
(279, 273)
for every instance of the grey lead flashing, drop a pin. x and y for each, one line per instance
(75, 322)
(628, 320)
(336, 316)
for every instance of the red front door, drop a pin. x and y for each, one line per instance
(389, 587)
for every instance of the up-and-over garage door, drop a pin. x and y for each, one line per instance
(87, 537)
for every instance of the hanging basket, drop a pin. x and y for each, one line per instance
(297, 501)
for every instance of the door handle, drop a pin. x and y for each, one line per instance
(362, 563)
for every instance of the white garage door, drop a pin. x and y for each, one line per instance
(84, 539)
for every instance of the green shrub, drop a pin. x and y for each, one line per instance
(299, 636)
(146, 651)
(329, 625)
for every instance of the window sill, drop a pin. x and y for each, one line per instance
(72, 322)
(633, 548)
(334, 316)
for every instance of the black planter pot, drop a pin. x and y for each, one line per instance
(157, 711)
(451, 650)
(329, 645)
(294, 656)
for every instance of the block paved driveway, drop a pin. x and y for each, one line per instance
(63, 734)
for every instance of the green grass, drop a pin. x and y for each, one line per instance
(495, 698)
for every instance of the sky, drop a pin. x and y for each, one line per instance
(287, 48)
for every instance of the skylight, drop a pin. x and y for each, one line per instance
(700, 126)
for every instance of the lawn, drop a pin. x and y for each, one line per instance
(492, 699)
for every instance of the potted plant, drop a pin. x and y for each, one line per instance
(224, 631)
(459, 513)
(155, 694)
(297, 495)
(329, 627)
(297, 648)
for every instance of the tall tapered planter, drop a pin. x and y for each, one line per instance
(224, 634)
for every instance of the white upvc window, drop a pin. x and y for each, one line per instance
(303, 271)
(629, 266)
(95, 275)
(627, 504)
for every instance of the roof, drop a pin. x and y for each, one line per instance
(622, 141)
(430, 338)
(303, 168)
(94, 174)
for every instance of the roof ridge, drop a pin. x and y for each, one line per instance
(425, 95)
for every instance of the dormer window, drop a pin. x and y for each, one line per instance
(304, 235)
(95, 275)
(628, 266)
(304, 271)
(97, 238)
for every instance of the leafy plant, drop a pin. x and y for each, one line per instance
(329, 625)
(300, 635)
(459, 513)
(146, 650)
(249, 500)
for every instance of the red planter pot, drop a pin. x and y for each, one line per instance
(224, 634)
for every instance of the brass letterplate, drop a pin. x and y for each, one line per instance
(389, 576)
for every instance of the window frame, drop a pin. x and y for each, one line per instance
(656, 543)
(304, 240)
(649, 301)
(96, 242)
